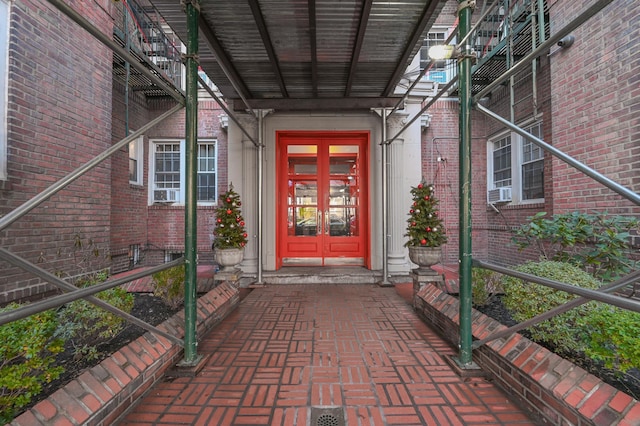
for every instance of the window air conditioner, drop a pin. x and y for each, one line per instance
(165, 196)
(499, 195)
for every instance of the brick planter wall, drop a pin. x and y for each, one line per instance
(547, 385)
(103, 393)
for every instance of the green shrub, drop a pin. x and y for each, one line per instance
(169, 285)
(83, 324)
(27, 355)
(485, 286)
(597, 243)
(602, 332)
(525, 300)
(613, 337)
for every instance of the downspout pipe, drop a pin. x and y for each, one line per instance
(260, 185)
(385, 203)
(464, 79)
(191, 357)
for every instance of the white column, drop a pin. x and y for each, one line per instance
(242, 169)
(396, 251)
(405, 159)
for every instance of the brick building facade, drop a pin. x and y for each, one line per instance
(65, 107)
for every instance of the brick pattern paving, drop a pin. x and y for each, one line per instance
(289, 348)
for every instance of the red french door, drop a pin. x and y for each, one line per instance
(323, 215)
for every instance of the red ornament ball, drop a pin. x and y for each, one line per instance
(244, 235)
(423, 242)
(229, 211)
(239, 203)
(428, 229)
(426, 197)
(228, 200)
(242, 244)
(413, 224)
(242, 223)
(238, 219)
(419, 186)
(411, 211)
(219, 220)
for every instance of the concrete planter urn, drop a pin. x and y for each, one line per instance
(228, 258)
(425, 257)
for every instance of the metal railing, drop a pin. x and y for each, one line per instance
(73, 293)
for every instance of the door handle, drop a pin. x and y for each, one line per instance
(327, 224)
(319, 223)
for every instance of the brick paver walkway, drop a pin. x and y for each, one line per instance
(360, 347)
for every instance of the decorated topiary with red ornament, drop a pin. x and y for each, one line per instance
(424, 226)
(230, 230)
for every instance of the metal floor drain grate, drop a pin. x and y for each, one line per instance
(327, 416)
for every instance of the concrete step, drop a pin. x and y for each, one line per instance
(322, 275)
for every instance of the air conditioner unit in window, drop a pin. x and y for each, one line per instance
(499, 195)
(165, 196)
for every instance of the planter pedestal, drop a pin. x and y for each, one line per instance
(425, 257)
(228, 259)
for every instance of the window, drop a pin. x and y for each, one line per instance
(168, 171)
(517, 163)
(136, 149)
(170, 256)
(441, 71)
(532, 166)
(502, 162)
(4, 84)
(207, 173)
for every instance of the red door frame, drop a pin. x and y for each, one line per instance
(286, 138)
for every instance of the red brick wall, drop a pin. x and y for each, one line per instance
(500, 224)
(59, 117)
(157, 228)
(596, 106)
(440, 158)
(129, 201)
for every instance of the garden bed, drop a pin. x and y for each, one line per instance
(628, 382)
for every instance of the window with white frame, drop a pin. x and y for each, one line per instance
(207, 172)
(440, 71)
(4, 84)
(516, 165)
(167, 171)
(136, 152)
(532, 166)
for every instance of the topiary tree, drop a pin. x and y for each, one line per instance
(424, 225)
(229, 230)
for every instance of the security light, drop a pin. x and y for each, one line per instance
(442, 52)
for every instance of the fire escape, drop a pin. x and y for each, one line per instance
(141, 32)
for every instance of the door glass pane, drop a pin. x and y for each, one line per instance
(303, 159)
(343, 190)
(306, 221)
(343, 160)
(304, 207)
(339, 221)
(305, 192)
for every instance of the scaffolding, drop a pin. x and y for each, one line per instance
(517, 34)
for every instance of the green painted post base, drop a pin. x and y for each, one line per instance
(188, 369)
(464, 370)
